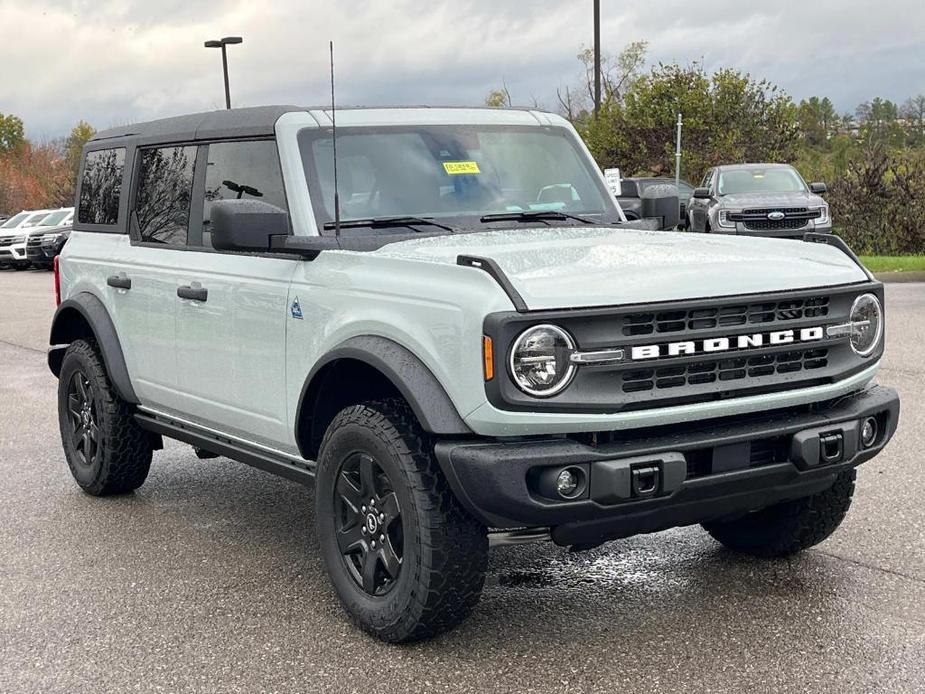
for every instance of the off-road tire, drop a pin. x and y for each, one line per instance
(445, 550)
(788, 527)
(124, 449)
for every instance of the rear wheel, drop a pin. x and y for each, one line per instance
(788, 527)
(106, 450)
(407, 562)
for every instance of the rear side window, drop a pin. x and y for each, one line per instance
(242, 170)
(101, 186)
(163, 193)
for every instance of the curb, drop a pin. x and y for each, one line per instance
(916, 276)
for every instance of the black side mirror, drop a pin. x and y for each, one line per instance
(818, 188)
(246, 225)
(661, 203)
(702, 193)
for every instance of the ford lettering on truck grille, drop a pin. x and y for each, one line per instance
(726, 344)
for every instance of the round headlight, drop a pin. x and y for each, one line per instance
(867, 324)
(540, 360)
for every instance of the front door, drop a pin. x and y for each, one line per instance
(233, 308)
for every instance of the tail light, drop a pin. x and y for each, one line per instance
(57, 282)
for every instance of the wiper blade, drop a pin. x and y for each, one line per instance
(384, 222)
(531, 215)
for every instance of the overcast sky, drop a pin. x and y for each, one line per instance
(113, 62)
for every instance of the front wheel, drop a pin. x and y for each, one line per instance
(788, 527)
(406, 560)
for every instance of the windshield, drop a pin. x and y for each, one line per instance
(14, 221)
(55, 218)
(456, 174)
(778, 180)
(35, 219)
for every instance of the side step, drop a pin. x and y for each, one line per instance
(298, 471)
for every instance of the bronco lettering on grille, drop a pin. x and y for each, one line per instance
(725, 344)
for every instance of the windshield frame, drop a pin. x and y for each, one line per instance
(306, 136)
(790, 169)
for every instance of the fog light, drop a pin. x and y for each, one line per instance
(868, 432)
(566, 483)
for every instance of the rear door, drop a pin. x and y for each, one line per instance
(231, 325)
(147, 277)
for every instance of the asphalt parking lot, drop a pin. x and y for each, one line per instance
(209, 577)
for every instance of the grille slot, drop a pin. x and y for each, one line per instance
(722, 370)
(636, 324)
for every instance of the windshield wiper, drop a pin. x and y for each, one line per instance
(384, 222)
(531, 215)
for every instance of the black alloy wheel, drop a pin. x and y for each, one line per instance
(83, 415)
(368, 524)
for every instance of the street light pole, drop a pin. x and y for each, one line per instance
(222, 43)
(597, 57)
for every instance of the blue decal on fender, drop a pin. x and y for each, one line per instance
(296, 309)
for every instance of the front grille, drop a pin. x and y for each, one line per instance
(8, 241)
(725, 316)
(756, 219)
(678, 353)
(34, 242)
(774, 224)
(720, 370)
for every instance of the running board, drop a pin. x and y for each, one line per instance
(302, 472)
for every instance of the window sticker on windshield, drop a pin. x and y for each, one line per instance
(461, 167)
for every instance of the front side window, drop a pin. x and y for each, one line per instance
(163, 193)
(777, 180)
(242, 170)
(457, 174)
(100, 187)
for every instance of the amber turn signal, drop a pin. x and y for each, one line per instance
(488, 359)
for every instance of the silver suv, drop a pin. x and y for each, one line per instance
(457, 341)
(770, 200)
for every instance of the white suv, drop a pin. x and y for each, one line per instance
(458, 341)
(14, 234)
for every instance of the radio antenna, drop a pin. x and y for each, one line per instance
(334, 143)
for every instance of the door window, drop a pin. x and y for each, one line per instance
(163, 193)
(241, 171)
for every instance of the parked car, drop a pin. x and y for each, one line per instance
(452, 363)
(770, 200)
(632, 190)
(13, 234)
(51, 226)
(50, 244)
(14, 243)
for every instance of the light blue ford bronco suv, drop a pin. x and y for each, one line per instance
(456, 337)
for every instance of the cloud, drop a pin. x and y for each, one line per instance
(112, 62)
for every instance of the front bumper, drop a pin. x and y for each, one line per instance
(742, 230)
(706, 470)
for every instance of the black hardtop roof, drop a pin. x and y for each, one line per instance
(254, 121)
(236, 122)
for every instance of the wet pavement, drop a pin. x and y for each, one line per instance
(209, 577)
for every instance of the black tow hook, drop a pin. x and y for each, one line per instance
(832, 447)
(645, 481)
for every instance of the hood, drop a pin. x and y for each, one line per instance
(740, 201)
(571, 267)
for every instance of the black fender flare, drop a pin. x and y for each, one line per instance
(94, 313)
(410, 376)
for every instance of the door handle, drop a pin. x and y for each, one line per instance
(193, 293)
(119, 282)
